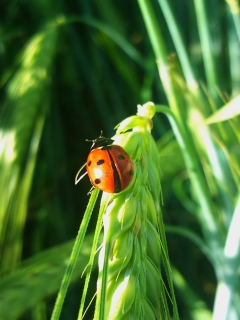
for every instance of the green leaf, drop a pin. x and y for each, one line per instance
(22, 124)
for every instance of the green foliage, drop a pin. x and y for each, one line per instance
(22, 123)
(38, 278)
(71, 69)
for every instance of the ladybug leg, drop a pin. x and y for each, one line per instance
(90, 191)
(77, 178)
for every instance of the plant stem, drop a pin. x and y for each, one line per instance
(229, 285)
(205, 40)
(183, 134)
(179, 44)
(74, 255)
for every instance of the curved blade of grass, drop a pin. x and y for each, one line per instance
(117, 38)
(74, 255)
(112, 104)
(22, 124)
(110, 40)
(112, 34)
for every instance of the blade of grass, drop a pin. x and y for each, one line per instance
(207, 213)
(228, 111)
(92, 255)
(19, 202)
(198, 182)
(219, 178)
(179, 44)
(229, 285)
(117, 38)
(102, 276)
(177, 119)
(205, 39)
(24, 97)
(235, 11)
(74, 256)
(233, 45)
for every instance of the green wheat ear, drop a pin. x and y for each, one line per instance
(134, 251)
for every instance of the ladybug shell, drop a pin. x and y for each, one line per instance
(110, 168)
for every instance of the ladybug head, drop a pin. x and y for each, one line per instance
(100, 142)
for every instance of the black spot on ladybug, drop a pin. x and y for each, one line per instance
(89, 163)
(100, 162)
(97, 181)
(121, 157)
(131, 172)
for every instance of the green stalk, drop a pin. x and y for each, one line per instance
(92, 256)
(178, 123)
(102, 277)
(74, 256)
(233, 44)
(228, 287)
(196, 100)
(177, 116)
(101, 302)
(160, 52)
(179, 44)
(234, 7)
(153, 31)
(205, 39)
(236, 19)
(199, 187)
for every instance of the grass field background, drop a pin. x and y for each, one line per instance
(70, 69)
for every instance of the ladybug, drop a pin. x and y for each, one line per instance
(109, 167)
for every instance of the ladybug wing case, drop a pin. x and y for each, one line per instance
(110, 168)
(100, 170)
(123, 165)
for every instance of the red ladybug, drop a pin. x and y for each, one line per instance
(109, 167)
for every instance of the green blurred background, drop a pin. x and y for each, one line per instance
(70, 69)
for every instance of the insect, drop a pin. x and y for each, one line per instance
(109, 167)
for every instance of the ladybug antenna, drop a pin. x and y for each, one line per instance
(100, 141)
(77, 178)
(101, 135)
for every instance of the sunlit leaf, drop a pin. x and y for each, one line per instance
(229, 111)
